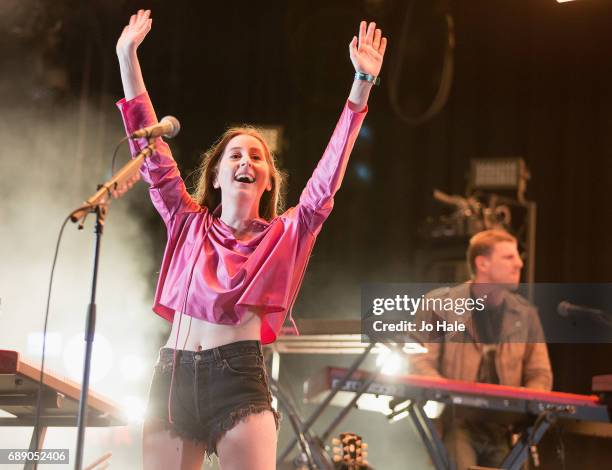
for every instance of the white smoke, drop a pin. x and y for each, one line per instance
(46, 171)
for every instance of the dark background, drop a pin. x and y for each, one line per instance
(531, 78)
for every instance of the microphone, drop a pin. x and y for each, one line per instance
(567, 309)
(167, 127)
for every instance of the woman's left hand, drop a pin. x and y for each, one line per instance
(367, 53)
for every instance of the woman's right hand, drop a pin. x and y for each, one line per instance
(120, 190)
(134, 33)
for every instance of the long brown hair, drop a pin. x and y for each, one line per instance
(271, 202)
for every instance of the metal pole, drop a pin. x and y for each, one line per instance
(90, 328)
(531, 249)
(346, 410)
(332, 393)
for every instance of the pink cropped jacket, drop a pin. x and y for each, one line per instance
(206, 272)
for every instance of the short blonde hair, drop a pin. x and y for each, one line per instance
(482, 244)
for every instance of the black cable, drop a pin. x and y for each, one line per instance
(546, 415)
(560, 447)
(44, 341)
(541, 417)
(288, 390)
(446, 74)
(112, 171)
(295, 421)
(44, 338)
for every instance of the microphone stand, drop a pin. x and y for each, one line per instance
(97, 203)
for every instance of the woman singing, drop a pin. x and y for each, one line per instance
(231, 270)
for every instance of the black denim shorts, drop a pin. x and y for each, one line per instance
(212, 391)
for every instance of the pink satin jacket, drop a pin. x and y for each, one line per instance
(208, 274)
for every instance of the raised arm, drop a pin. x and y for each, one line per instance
(366, 53)
(167, 189)
(131, 37)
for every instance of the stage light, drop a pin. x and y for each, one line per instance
(101, 360)
(363, 172)
(399, 416)
(433, 409)
(366, 133)
(390, 362)
(414, 348)
(498, 173)
(134, 409)
(378, 403)
(132, 367)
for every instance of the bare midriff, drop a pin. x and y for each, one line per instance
(195, 334)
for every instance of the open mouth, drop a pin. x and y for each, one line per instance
(244, 179)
